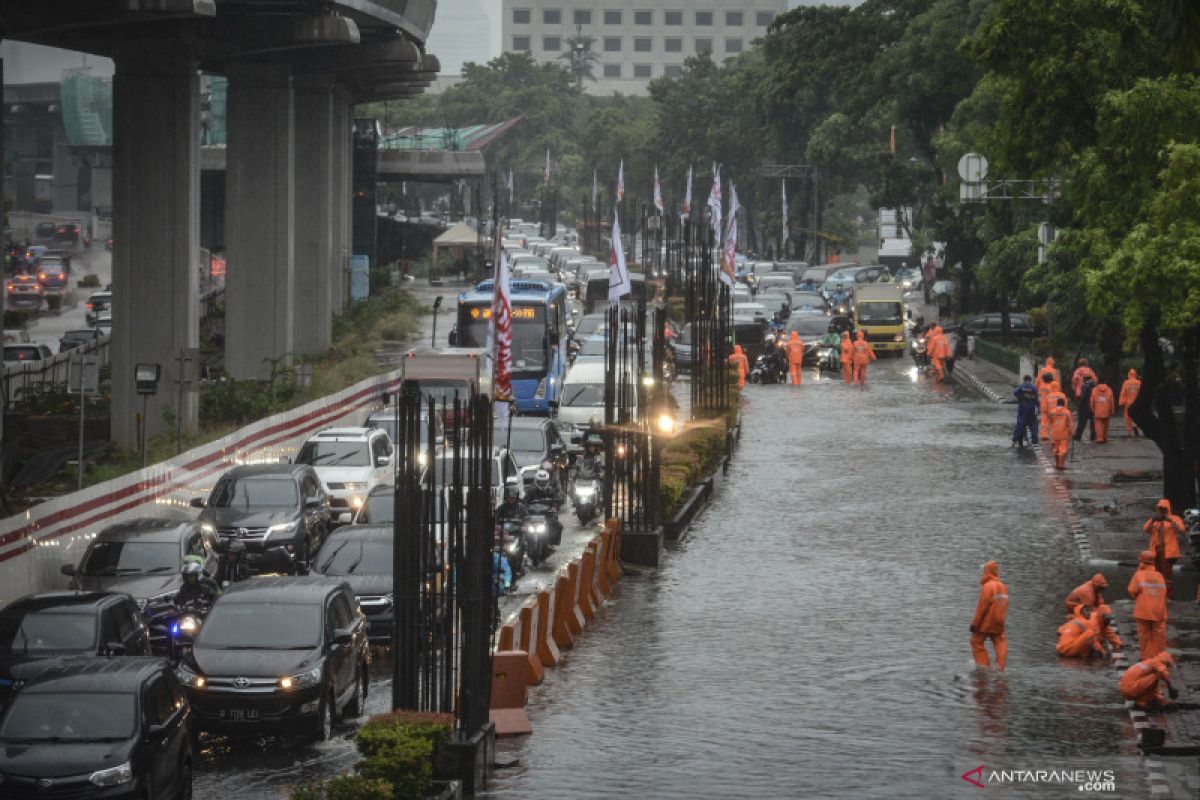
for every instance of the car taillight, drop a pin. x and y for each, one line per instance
(89, 306)
(41, 276)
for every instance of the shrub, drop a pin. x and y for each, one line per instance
(398, 748)
(345, 787)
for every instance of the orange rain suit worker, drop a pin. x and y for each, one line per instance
(1049, 367)
(1081, 636)
(1139, 683)
(1082, 373)
(1090, 594)
(1164, 529)
(864, 354)
(795, 354)
(1149, 593)
(1103, 407)
(847, 359)
(990, 614)
(1061, 426)
(939, 351)
(1129, 393)
(1048, 391)
(739, 360)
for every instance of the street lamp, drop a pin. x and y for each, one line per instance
(145, 378)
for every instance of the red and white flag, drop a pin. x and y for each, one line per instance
(658, 201)
(714, 203)
(621, 181)
(727, 256)
(500, 335)
(509, 185)
(619, 284)
(687, 195)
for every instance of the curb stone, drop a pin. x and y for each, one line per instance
(969, 379)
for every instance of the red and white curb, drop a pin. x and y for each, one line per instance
(970, 379)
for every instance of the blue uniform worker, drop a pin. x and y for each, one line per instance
(1027, 413)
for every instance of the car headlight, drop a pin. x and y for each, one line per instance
(899, 337)
(188, 678)
(303, 680)
(113, 776)
(355, 486)
(286, 528)
(208, 527)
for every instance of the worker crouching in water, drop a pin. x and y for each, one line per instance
(991, 613)
(1140, 682)
(1087, 633)
(1090, 594)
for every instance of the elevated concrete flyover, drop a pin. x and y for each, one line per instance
(295, 69)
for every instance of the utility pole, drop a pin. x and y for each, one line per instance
(186, 356)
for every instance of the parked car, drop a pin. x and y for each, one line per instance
(281, 655)
(53, 278)
(57, 624)
(80, 337)
(349, 462)
(16, 336)
(97, 304)
(361, 555)
(26, 353)
(98, 728)
(24, 293)
(142, 557)
(990, 324)
(279, 511)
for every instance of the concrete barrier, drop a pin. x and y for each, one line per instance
(529, 639)
(547, 648)
(587, 578)
(510, 690)
(576, 621)
(559, 629)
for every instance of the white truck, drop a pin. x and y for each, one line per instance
(442, 374)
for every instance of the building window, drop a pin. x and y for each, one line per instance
(641, 70)
(763, 18)
(642, 44)
(643, 18)
(673, 45)
(520, 16)
(704, 18)
(612, 17)
(703, 46)
(612, 70)
(733, 19)
(612, 44)
(551, 16)
(583, 17)
(551, 44)
(673, 17)
(672, 70)
(733, 46)
(521, 43)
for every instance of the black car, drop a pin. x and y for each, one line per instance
(279, 655)
(97, 728)
(279, 511)
(142, 557)
(361, 555)
(532, 441)
(55, 624)
(989, 324)
(77, 338)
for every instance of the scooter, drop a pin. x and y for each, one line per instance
(766, 371)
(586, 496)
(512, 544)
(919, 351)
(173, 628)
(541, 530)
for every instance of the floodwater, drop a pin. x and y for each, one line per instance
(810, 637)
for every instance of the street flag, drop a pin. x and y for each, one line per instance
(595, 193)
(500, 335)
(714, 203)
(546, 172)
(618, 274)
(727, 257)
(509, 186)
(658, 201)
(687, 195)
(621, 181)
(784, 219)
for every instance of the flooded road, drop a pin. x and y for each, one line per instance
(810, 637)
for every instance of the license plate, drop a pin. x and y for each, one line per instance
(239, 714)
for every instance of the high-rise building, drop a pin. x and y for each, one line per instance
(635, 41)
(462, 32)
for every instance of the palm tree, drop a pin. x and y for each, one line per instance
(580, 58)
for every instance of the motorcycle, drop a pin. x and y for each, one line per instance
(766, 370)
(585, 493)
(918, 350)
(512, 545)
(1191, 518)
(173, 628)
(541, 531)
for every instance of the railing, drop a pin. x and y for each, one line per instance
(53, 372)
(998, 354)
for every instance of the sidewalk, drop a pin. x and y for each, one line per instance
(1109, 491)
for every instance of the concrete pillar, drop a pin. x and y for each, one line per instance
(342, 179)
(259, 219)
(316, 203)
(156, 235)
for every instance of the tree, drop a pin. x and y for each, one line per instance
(581, 61)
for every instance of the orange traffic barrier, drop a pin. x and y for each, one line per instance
(510, 682)
(604, 542)
(529, 640)
(563, 607)
(587, 583)
(576, 621)
(547, 650)
(508, 637)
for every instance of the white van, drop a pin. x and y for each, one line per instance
(582, 400)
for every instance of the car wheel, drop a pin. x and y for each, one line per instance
(358, 704)
(323, 727)
(185, 781)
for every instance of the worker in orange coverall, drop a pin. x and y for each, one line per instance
(1104, 405)
(1149, 593)
(847, 358)
(1082, 372)
(1129, 393)
(1061, 426)
(990, 614)
(1090, 593)
(1139, 683)
(939, 350)
(739, 360)
(795, 355)
(1164, 530)
(864, 354)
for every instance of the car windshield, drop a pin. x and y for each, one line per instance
(129, 558)
(588, 326)
(443, 392)
(334, 454)
(444, 470)
(30, 353)
(809, 326)
(387, 423)
(356, 556)
(808, 300)
(257, 492)
(378, 510)
(583, 394)
(528, 440)
(70, 717)
(47, 632)
(879, 313)
(593, 347)
(262, 625)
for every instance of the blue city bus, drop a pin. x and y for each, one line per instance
(539, 338)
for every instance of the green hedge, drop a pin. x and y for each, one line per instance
(345, 787)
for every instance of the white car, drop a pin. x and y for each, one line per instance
(349, 462)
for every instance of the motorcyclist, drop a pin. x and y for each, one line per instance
(197, 588)
(233, 567)
(590, 465)
(543, 490)
(512, 509)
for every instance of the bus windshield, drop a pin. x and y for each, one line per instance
(528, 334)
